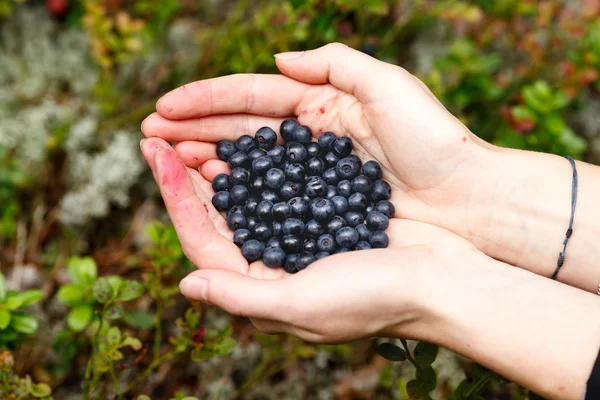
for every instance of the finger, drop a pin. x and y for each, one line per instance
(194, 154)
(268, 95)
(205, 192)
(199, 239)
(347, 69)
(207, 129)
(238, 294)
(212, 168)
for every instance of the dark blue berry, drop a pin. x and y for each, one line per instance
(304, 260)
(344, 188)
(369, 209)
(264, 210)
(291, 263)
(379, 240)
(255, 153)
(252, 250)
(326, 140)
(315, 166)
(354, 218)
(363, 232)
(262, 164)
(381, 191)
(331, 177)
(357, 202)
(331, 159)
(266, 138)
(251, 223)
(313, 149)
(240, 236)
(257, 184)
(271, 196)
(250, 206)
(275, 178)
(322, 254)
(293, 226)
(310, 245)
(322, 209)
(239, 194)
(302, 134)
(340, 204)
(273, 257)
(239, 159)
(245, 143)
(296, 152)
(220, 182)
(377, 221)
(315, 187)
(326, 243)
(372, 170)
(236, 221)
(275, 242)
(276, 228)
(299, 206)
(287, 128)
(314, 228)
(290, 189)
(291, 244)
(386, 207)
(277, 153)
(281, 211)
(239, 176)
(348, 167)
(225, 149)
(335, 224)
(221, 201)
(262, 231)
(342, 250)
(346, 237)
(362, 245)
(235, 209)
(295, 172)
(342, 147)
(362, 184)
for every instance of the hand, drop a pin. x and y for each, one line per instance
(340, 298)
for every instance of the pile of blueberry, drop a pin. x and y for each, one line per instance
(294, 204)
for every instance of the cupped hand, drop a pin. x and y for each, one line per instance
(428, 156)
(346, 296)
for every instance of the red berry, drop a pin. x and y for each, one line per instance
(57, 7)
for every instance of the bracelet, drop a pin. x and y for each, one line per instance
(561, 256)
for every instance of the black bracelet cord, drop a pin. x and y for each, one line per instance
(574, 186)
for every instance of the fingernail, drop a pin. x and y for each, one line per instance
(194, 287)
(142, 143)
(290, 55)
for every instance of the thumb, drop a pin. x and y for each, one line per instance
(347, 69)
(237, 294)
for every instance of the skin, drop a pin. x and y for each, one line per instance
(457, 199)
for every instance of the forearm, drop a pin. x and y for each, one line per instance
(539, 333)
(520, 209)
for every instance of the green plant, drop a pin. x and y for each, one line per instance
(13, 321)
(13, 386)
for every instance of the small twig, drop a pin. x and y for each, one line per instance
(408, 355)
(483, 381)
(115, 380)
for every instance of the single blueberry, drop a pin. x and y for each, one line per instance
(264, 210)
(270, 196)
(291, 244)
(310, 245)
(293, 226)
(357, 202)
(363, 232)
(331, 192)
(342, 250)
(275, 178)
(342, 147)
(239, 176)
(287, 128)
(221, 201)
(239, 194)
(322, 209)
(276, 228)
(220, 182)
(315, 166)
(299, 206)
(296, 152)
(362, 184)
(372, 170)
(236, 221)
(251, 223)
(386, 207)
(348, 167)
(326, 140)
(313, 149)
(245, 143)
(250, 206)
(239, 159)
(290, 189)
(225, 149)
(381, 191)
(281, 211)
(315, 187)
(240, 236)
(273, 257)
(237, 208)
(335, 224)
(344, 188)
(277, 153)
(326, 243)
(314, 229)
(331, 159)
(379, 240)
(322, 254)
(255, 153)
(266, 138)
(346, 236)
(257, 184)
(275, 242)
(304, 260)
(377, 221)
(262, 164)
(331, 176)
(340, 204)
(302, 134)
(290, 264)
(252, 250)
(262, 231)
(295, 172)
(354, 218)
(362, 245)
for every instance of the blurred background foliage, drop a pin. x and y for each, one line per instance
(89, 306)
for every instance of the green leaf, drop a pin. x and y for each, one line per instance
(415, 390)
(130, 290)
(132, 342)
(24, 323)
(103, 291)
(115, 312)
(115, 282)
(83, 271)
(5, 317)
(71, 295)
(40, 390)
(391, 352)
(113, 336)
(139, 319)
(80, 317)
(199, 354)
(192, 318)
(143, 397)
(115, 355)
(425, 353)
(226, 346)
(2, 288)
(24, 299)
(427, 378)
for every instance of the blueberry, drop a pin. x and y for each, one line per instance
(331, 159)
(266, 138)
(340, 204)
(299, 206)
(251, 223)
(270, 196)
(315, 187)
(275, 178)
(257, 184)
(344, 188)
(313, 149)
(235, 209)
(363, 232)
(277, 153)
(369, 209)
(273, 257)
(346, 237)
(287, 128)
(281, 211)
(323, 209)
(357, 202)
(295, 172)
(290, 189)
(220, 182)
(250, 206)
(342, 250)
(310, 245)
(252, 250)
(326, 243)
(314, 229)
(225, 149)
(331, 176)
(276, 228)
(262, 231)
(342, 147)
(377, 221)
(379, 240)
(221, 201)
(354, 218)
(240, 236)
(386, 207)
(264, 210)
(239, 159)
(239, 176)
(293, 226)
(245, 143)
(326, 140)
(275, 242)
(335, 224)
(239, 194)
(304, 260)
(362, 184)
(381, 191)
(315, 166)
(236, 221)
(348, 167)
(372, 170)
(296, 152)
(291, 244)
(290, 264)
(302, 134)
(362, 245)
(262, 164)
(255, 153)
(322, 254)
